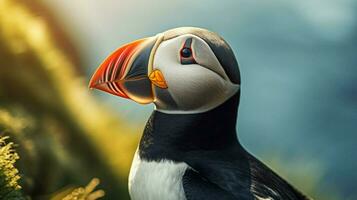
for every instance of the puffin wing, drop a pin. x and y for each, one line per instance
(228, 171)
(265, 183)
(239, 175)
(197, 188)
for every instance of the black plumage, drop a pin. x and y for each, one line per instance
(220, 167)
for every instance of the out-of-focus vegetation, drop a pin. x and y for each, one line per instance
(11, 190)
(86, 193)
(65, 137)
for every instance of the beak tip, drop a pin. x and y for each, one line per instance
(91, 85)
(93, 82)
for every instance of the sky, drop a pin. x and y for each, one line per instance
(297, 60)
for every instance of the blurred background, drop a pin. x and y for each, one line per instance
(298, 110)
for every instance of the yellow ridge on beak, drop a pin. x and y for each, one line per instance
(157, 78)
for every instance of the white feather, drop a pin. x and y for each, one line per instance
(156, 180)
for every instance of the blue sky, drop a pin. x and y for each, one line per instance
(297, 58)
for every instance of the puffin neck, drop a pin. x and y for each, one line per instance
(170, 136)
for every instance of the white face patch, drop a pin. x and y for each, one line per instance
(156, 180)
(195, 87)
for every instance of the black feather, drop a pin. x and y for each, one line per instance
(208, 143)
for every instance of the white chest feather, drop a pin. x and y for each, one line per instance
(156, 180)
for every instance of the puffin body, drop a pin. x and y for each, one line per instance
(189, 148)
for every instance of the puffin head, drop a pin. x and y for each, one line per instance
(182, 70)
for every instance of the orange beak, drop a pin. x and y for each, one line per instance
(127, 72)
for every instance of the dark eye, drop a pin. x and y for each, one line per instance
(186, 52)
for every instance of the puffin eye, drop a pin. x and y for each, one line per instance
(186, 55)
(186, 52)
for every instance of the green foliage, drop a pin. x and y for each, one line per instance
(9, 187)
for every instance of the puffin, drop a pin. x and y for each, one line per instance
(189, 149)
